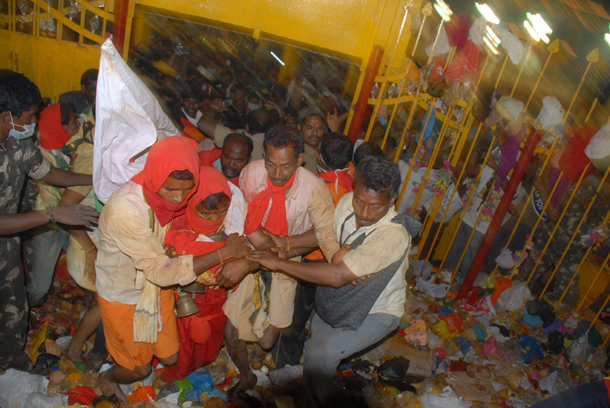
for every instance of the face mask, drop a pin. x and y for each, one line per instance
(254, 106)
(320, 169)
(28, 132)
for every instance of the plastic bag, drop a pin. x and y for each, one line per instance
(129, 120)
(16, 386)
(45, 360)
(578, 351)
(510, 42)
(599, 146)
(393, 373)
(442, 46)
(201, 381)
(548, 383)
(513, 297)
(40, 400)
(505, 259)
(477, 31)
(551, 114)
(436, 290)
(448, 398)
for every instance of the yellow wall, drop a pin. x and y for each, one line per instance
(55, 66)
(344, 26)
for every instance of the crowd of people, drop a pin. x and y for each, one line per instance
(261, 209)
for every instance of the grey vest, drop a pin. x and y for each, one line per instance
(349, 305)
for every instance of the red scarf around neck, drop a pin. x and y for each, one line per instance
(276, 221)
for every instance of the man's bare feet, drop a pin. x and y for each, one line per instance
(95, 364)
(247, 382)
(73, 354)
(257, 357)
(109, 388)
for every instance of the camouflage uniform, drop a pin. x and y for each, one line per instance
(18, 159)
(560, 242)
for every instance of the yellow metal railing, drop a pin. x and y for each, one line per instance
(420, 100)
(41, 10)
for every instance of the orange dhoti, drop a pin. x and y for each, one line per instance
(118, 328)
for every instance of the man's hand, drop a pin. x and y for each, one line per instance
(231, 273)
(217, 105)
(76, 214)
(237, 246)
(333, 121)
(362, 278)
(171, 252)
(266, 259)
(338, 256)
(279, 241)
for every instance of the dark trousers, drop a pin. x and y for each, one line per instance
(288, 348)
(591, 395)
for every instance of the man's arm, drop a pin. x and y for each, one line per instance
(235, 247)
(62, 178)
(69, 214)
(327, 274)
(322, 215)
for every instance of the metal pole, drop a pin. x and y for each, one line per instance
(363, 99)
(553, 48)
(494, 226)
(120, 23)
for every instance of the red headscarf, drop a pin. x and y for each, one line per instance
(52, 133)
(212, 182)
(276, 220)
(168, 155)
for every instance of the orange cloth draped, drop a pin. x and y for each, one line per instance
(168, 155)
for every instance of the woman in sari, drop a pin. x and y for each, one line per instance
(212, 226)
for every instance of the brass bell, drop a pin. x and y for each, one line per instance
(194, 287)
(185, 306)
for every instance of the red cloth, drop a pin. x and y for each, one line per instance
(81, 395)
(212, 182)
(209, 157)
(168, 155)
(277, 223)
(437, 70)
(52, 133)
(457, 29)
(339, 183)
(200, 335)
(573, 160)
(467, 61)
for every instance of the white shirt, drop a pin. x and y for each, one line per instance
(385, 245)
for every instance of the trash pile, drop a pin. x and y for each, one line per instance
(497, 348)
